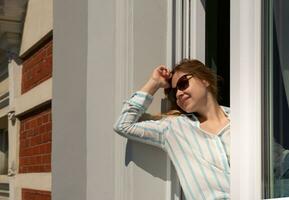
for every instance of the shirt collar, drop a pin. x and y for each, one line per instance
(226, 110)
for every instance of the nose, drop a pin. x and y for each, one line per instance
(179, 94)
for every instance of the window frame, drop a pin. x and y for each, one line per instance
(245, 99)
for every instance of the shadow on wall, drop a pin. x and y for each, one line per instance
(149, 158)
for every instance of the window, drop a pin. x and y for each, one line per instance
(275, 99)
(201, 30)
(3, 151)
(4, 185)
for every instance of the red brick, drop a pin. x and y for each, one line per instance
(35, 143)
(46, 159)
(37, 68)
(49, 49)
(48, 126)
(30, 194)
(46, 137)
(39, 121)
(45, 118)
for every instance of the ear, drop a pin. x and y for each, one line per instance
(206, 83)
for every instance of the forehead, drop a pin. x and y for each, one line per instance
(177, 75)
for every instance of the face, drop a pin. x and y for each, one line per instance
(189, 98)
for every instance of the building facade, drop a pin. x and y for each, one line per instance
(118, 44)
(27, 171)
(103, 51)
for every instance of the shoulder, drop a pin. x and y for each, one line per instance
(226, 109)
(181, 120)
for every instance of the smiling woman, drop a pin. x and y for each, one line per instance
(197, 140)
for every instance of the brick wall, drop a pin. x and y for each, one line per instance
(29, 194)
(35, 142)
(37, 67)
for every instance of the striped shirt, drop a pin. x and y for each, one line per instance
(201, 159)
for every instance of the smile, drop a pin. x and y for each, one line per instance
(184, 100)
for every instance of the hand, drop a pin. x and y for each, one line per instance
(161, 76)
(158, 79)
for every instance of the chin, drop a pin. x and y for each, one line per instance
(188, 108)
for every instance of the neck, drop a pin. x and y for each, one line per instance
(210, 110)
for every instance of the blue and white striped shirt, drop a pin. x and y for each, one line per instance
(201, 159)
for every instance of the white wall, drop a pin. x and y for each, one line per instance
(142, 168)
(98, 49)
(245, 99)
(69, 100)
(149, 164)
(35, 28)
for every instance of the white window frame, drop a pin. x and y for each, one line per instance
(245, 96)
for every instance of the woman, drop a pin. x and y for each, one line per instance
(197, 138)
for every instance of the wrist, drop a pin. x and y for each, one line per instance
(151, 86)
(154, 82)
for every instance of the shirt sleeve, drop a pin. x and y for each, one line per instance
(281, 160)
(128, 125)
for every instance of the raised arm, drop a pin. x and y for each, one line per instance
(128, 125)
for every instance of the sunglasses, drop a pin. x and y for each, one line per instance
(182, 84)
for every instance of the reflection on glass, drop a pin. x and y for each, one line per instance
(276, 95)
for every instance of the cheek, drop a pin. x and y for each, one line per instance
(198, 93)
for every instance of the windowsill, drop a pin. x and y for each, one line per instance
(4, 179)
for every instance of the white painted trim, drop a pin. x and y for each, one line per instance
(34, 97)
(197, 31)
(170, 64)
(178, 31)
(38, 23)
(15, 75)
(36, 181)
(245, 99)
(169, 55)
(193, 29)
(123, 88)
(186, 28)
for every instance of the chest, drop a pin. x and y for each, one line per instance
(214, 128)
(193, 143)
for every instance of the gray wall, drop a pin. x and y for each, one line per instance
(149, 163)
(100, 100)
(87, 154)
(69, 100)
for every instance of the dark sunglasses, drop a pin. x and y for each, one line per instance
(182, 84)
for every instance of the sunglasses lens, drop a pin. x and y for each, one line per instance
(183, 84)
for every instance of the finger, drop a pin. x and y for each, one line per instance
(163, 67)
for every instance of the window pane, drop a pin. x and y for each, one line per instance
(218, 44)
(276, 98)
(4, 145)
(3, 151)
